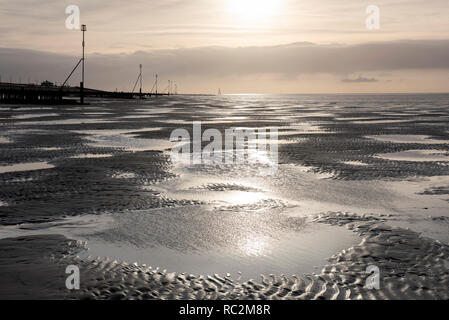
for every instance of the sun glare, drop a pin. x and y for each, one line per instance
(254, 246)
(253, 10)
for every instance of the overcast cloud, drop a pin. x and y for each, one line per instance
(348, 62)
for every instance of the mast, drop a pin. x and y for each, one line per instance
(140, 76)
(83, 29)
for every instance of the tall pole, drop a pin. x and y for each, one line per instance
(140, 76)
(83, 29)
(156, 85)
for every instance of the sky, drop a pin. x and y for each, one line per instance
(240, 46)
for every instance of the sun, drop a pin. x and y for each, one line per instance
(253, 10)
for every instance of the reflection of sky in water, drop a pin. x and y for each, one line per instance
(31, 166)
(64, 122)
(416, 155)
(129, 143)
(31, 116)
(107, 132)
(91, 156)
(5, 140)
(408, 138)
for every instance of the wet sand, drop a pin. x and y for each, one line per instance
(101, 175)
(412, 267)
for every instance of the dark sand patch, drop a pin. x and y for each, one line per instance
(443, 190)
(33, 267)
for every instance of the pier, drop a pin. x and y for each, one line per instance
(14, 93)
(48, 93)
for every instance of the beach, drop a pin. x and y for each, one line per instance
(359, 183)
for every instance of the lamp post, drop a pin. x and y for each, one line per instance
(83, 29)
(140, 76)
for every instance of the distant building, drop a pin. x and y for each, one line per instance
(47, 83)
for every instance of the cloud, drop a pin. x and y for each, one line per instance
(360, 79)
(286, 61)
